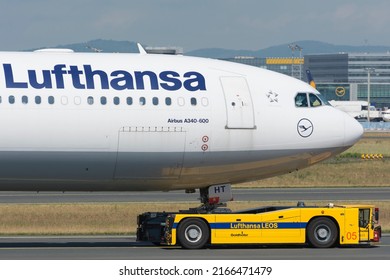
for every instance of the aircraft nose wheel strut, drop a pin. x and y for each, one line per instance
(215, 196)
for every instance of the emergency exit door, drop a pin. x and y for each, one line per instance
(239, 106)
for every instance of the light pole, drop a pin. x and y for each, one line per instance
(296, 70)
(369, 71)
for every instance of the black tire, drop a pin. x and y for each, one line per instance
(193, 233)
(322, 233)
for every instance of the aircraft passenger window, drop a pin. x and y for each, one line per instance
(314, 100)
(24, 99)
(193, 101)
(155, 101)
(64, 100)
(142, 101)
(11, 99)
(301, 100)
(129, 101)
(77, 100)
(90, 100)
(103, 100)
(116, 100)
(205, 101)
(181, 101)
(50, 99)
(168, 101)
(38, 99)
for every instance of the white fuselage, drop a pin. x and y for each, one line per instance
(72, 121)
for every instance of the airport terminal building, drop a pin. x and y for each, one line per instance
(341, 76)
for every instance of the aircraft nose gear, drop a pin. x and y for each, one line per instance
(214, 197)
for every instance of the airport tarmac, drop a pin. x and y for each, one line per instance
(240, 194)
(120, 248)
(117, 248)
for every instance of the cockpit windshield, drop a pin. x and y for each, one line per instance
(304, 99)
(301, 100)
(314, 100)
(323, 99)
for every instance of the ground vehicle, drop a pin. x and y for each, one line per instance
(358, 109)
(321, 227)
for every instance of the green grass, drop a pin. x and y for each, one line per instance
(111, 218)
(345, 170)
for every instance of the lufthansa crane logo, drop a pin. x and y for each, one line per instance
(340, 91)
(305, 128)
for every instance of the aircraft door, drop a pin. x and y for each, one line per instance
(239, 105)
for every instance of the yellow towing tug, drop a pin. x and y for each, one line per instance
(321, 227)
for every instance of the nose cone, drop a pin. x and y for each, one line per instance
(353, 131)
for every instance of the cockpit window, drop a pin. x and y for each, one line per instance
(301, 100)
(304, 99)
(324, 100)
(314, 100)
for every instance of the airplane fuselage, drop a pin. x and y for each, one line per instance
(72, 121)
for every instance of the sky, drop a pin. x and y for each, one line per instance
(193, 24)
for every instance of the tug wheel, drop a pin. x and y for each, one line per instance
(193, 233)
(322, 233)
